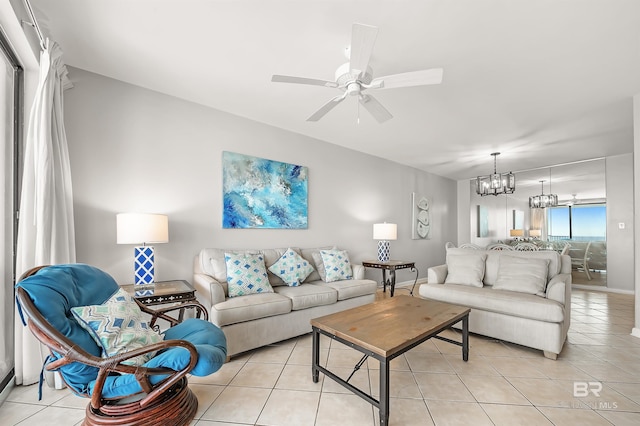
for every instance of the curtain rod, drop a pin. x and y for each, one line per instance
(34, 23)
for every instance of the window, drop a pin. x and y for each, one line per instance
(10, 107)
(587, 222)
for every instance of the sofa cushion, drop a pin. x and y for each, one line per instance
(499, 301)
(247, 308)
(246, 274)
(336, 265)
(348, 289)
(522, 275)
(493, 262)
(308, 295)
(118, 326)
(291, 268)
(465, 269)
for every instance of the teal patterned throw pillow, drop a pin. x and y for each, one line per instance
(336, 265)
(118, 326)
(292, 268)
(246, 274)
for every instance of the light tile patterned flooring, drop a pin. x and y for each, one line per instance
(502, 384)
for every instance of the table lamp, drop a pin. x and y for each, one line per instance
(142, 229)
(535, 233)
(384, 232)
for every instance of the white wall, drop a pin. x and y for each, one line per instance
(636, 205)
(620, 268)
(132, 149)
(499, 216)
(464, 217)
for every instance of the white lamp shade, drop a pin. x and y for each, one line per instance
(142, 228)
(535, 233)
(385, 231)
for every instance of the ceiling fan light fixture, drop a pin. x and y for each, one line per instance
(496, 183)
(356, 76)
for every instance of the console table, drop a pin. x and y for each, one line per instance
(392, 266)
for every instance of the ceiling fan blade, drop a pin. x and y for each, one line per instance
(375, 108)
(326, 108)
(301, 80)
(408, 79)
(363, 37)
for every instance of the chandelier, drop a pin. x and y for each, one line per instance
(543, 200)
(496, 183)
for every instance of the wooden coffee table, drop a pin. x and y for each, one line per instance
(385, 330)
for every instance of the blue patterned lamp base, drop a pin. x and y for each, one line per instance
(383, 251)
(145, 291)
(144, 265)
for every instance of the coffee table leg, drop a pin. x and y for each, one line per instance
(384, 392)
(315, 355)
(465, 338)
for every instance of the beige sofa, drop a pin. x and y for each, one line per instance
(519, 297)
(255, 320)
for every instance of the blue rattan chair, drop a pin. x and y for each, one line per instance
(154, 393)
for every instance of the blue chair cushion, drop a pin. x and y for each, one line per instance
(210, 344)
(56, 289)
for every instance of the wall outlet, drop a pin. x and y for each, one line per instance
(621, 225)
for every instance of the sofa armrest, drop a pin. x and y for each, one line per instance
(208, 289)
(437, 274)
(559, 288)
(357, 271)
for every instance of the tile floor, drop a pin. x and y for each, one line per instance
(502, 384)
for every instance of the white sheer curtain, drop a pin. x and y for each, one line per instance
(539, 221)
(45, 231)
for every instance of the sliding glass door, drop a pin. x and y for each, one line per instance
(10, 125)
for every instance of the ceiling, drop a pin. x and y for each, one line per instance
(544, 82)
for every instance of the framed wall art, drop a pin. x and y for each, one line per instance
(261, 193)
(420, 217)
(483, 222)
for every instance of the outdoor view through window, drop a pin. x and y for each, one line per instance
(578, 222)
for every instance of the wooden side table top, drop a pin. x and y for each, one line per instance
(388, 326)
(162, 292)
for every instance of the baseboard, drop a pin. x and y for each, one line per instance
(410, 283)
(603, 289)
(635, 332)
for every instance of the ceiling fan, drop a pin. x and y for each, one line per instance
(355, 77)
(573, 201)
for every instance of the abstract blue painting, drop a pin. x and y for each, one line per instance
(260, 193)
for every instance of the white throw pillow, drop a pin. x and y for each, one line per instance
(336, 265)
(466, 269)
(291, 268)
(524, 275)
(246, 274)
(118, 326)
